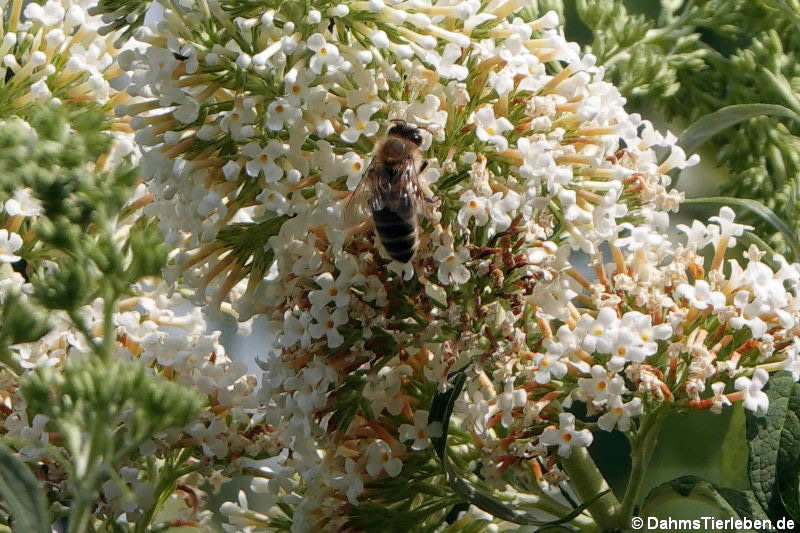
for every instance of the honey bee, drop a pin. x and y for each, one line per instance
(390, 191)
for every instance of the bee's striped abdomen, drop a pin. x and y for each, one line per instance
(398, 235)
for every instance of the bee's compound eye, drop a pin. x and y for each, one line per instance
(416, 138)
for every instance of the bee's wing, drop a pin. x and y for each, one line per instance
(358, 206)
(402, 190)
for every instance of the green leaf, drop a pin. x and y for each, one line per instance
(733, 463)
(440, 411)
(22, 495)
(756, 207)
(743, 502)
(703, 491)
(709, 125)
(774, 440)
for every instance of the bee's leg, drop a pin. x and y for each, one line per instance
(423, 166)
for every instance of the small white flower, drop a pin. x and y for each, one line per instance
(23, 203)
(509, 399)
(274, 201)
(754, 398)
(379, 458)
(720, 399)
(451, 265)
(231, 170)
(727, 227)
(475, 206)
(263, 160)
(566, 436)
(329, 291)
(677, 159)
(550, 364)
(326, 55)
(448, 68)
(601, 332)
(353, 166)
(295, 329)
(359, 123)
(700, 295)
(428, 112)
(326, 324)
(500, 205)
(619, 414)
(421, 432)
(9, 243)
(50, 14)
(490, 129)
(351, 482)
(282, 111)
(602, 386)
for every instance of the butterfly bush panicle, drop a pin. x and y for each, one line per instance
(255, 124)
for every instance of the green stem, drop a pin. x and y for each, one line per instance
(78, 322)
(587, 481)
(108, 323)
(642, 447)
(79, 515)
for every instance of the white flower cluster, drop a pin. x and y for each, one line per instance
(255, 126)
(53, 52)
(164, 331)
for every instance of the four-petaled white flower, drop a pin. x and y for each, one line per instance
(23, 203)
(329, 291)
(490, 129)
(9, 243)
(566, 436)
(379, 458)
(351, 482)
(421, 432)
(326, 324)
(700, 295)
(263, 160)
(451, 265)
(754, 398)
(326, 55)
(619, 414)
(282, 111)
(359, 123)
(473, 206)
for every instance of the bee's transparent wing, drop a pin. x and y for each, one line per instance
(357, 207)
(404, 191)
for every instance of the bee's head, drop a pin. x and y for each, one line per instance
(406, 131)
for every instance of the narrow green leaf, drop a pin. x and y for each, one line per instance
(440, 411)
(22, 495)
(774, 440)
(756, 207)
(709, 125)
